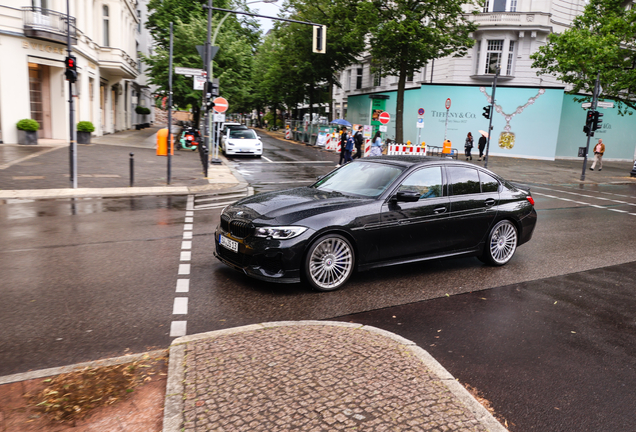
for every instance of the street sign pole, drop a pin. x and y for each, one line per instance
(169, 168)
(71, 108)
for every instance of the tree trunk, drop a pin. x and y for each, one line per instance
(399, 105)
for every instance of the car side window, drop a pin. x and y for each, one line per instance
(427, 182)
(464, 180)
(488, 182)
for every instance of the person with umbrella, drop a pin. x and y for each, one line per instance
(343, 145)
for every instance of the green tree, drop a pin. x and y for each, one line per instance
(406, 34)
(310, 73)
(232, 64)
(601, 40)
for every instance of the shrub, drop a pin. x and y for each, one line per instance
(142, 110)
(85, 126)
(28, 125)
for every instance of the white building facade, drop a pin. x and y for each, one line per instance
(509, 31)
(106, 37)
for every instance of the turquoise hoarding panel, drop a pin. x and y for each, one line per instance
(525, 122)
(618, 132)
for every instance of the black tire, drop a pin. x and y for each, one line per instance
(329, 263)
(501, 244)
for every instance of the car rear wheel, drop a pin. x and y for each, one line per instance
(329, 262)
(501, 245)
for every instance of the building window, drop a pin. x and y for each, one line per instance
(493, 56)
(511, 55)
(348, 81)
(377, 79)
(139, 23)
(105, 21)
(358, 78)
(409, 76)
(500, 6)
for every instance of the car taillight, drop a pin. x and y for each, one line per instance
(530, 199)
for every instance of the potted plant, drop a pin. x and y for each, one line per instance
(84, 130)
(144, 111)
(28, 131)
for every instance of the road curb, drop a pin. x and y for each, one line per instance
(42, 373)
(174, 404)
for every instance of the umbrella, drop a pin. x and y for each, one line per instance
(484, 133)
(342, 122)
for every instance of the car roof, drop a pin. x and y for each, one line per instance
(408, 161)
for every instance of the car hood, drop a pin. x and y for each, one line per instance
(292, 205)
(243, 141)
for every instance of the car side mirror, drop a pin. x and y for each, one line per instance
(407, 196)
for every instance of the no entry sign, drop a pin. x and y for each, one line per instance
(220, 104)
(385, 117)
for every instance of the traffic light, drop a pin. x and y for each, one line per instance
(597, 121)
(319, 44)
(71, 69)
(212, 89)
(589, 119)
(487, 111)
(209, 104)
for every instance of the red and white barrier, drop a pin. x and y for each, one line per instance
(403, 149)
(288, 134)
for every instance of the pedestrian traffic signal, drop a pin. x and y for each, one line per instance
(589, 120)
(71, 69)
(597, 121)
(209, 104)
(487, 111)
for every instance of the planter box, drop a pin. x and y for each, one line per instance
(27, 137)
(83, 137)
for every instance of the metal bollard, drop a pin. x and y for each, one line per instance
(132, 169)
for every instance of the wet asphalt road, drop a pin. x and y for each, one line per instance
(94, 278)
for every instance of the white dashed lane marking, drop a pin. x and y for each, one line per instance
(584, 203)
(180, 306)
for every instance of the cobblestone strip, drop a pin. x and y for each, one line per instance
(313, 376)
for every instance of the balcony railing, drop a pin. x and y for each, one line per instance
(48, 24)
(522, 19)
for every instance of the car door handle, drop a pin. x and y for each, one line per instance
(404, 222)
(490, 202)
(439, 210)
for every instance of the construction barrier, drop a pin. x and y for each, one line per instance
(403, 149)
(288, 133)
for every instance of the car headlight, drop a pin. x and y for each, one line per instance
(259, 143)
(280, 233)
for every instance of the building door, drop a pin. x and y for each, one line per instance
(102, 106)
(113, 105)
(40, 97)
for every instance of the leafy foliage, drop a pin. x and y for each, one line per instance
(86, 126)
(28, 125)
(601, 41)
(404, 35)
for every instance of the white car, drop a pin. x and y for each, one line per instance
(241, 142)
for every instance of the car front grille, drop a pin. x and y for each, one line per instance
(238, 228)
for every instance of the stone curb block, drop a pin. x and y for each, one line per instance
(176, 371)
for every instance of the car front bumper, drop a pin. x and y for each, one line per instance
(265, 259)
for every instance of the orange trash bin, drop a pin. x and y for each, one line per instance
(447, 147)
(162, 143)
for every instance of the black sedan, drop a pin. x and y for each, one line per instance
(375, 212)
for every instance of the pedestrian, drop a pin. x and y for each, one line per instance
(343, 144)
(599, 149)
(482, 145)
(468, 146)
(359, 140)
(376, 145)
(349, 149)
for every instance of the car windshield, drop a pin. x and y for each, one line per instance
(242, 133)
(367, 179)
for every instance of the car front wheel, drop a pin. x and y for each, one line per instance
(329, 262)
(502, 244)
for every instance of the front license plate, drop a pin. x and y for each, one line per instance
(228, 243)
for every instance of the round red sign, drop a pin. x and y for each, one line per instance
(220, 104)
(448, 103)
(385, 117)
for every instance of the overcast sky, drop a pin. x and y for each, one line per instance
(269, 9)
